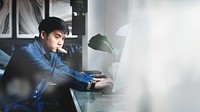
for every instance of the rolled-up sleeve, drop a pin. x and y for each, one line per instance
(78, 80)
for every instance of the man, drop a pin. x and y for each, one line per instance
(36, 65)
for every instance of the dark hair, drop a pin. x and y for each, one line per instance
(53, 23)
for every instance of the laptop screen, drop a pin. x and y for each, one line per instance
(123, 69)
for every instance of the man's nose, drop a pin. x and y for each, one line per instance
(61, 42)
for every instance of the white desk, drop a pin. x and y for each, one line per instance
(98, 102)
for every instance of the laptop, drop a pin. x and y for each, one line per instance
(120, 78)
(123, 71)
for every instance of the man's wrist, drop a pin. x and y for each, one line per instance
(91, 85)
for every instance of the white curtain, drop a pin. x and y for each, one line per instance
(165, 56)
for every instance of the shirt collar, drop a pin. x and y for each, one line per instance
(39, 46)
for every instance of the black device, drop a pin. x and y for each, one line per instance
(96, 73)
(78, 25)
(92, 72)
(79, 6)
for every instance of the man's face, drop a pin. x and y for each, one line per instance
(54, 40)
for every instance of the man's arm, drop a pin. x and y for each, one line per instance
(60, 74)
(100, 83)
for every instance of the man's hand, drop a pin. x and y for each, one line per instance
(102, 83)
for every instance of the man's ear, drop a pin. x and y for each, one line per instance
(43, 35)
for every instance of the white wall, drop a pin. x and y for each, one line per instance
(104, 17)
(95, 25)
(116, 17)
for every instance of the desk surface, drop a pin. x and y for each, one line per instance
(98, 102)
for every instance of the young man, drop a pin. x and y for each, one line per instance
(36, 65)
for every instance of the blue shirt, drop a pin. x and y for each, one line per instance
(32, 63)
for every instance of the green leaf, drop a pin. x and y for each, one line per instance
(100, 42)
